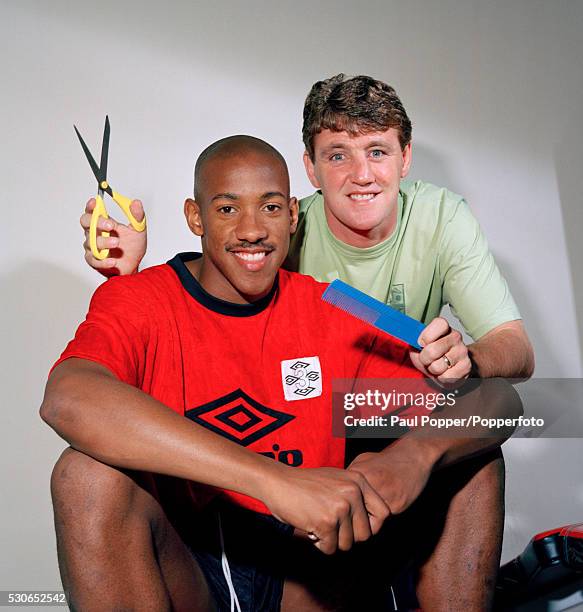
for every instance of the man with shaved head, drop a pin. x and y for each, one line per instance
(155, 511)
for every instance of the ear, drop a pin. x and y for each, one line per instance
(193, 217)
(293, 214)
(310, 170)
(407, 156)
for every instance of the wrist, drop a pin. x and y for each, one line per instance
(423, 451)
(475, 368)
(269, 479)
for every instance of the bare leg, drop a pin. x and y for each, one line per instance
(453, 533)
(460, 573)
(297, 596)
(344, 582)
(117, 550)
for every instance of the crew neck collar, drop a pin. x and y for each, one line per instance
(196, 290)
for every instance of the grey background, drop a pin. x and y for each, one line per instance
(495, 92)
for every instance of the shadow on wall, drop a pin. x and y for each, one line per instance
(568, 171)
(429, 166)
(44, 304)
(548, 363)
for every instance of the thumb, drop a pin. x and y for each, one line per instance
(137, 209)
(414, 357)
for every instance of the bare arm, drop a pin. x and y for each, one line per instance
(504, 351)
(400, 472)
(122, 426)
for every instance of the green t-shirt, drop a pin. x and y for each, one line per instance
(436, 255)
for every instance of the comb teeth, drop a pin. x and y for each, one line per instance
(337, 297)
(372, 311)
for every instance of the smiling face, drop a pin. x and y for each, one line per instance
(244, 216)
(359, 176)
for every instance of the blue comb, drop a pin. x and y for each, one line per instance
(369, 310)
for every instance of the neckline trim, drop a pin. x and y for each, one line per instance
(197, 292)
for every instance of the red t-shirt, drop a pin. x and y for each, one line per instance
(259, 374)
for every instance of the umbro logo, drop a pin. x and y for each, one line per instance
(238, 417)
(301, 378)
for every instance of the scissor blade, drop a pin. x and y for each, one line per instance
(104, 150)
(90, 159)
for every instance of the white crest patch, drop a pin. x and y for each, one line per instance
(301, 378)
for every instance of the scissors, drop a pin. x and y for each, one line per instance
(103, 186)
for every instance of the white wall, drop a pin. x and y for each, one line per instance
(495, 92)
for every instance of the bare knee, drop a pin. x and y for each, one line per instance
(488, 473)
(483, 474)
(89, 492)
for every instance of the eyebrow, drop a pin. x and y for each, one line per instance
(332, 146)
(380, 143)
(338, 145)
(224, 196)
(234, 197)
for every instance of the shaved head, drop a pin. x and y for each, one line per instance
(244, 216)
(235, 147)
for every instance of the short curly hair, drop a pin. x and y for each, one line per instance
(356, 105)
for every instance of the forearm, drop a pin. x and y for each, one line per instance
(505, 351)
(492, 399)
(122, 426)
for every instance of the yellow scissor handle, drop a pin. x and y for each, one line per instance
(124, 204)
(98, 211)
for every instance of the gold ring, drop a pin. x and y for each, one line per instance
(448, 363)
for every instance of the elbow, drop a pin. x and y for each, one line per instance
(55, 408)
(516, 407)
(530, 362)
(511, 408)
(509, 401)
(47, 410)
(51, 408)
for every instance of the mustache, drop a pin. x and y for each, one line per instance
(245, 244)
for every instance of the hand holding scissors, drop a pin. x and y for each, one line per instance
(123, 202)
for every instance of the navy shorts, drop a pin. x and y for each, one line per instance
(253, 544)
(262, 553)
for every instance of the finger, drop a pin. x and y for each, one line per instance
(377, 510)
(85, 221)
(107, 243)
(360, 526)
(460, 371)
(99, 264)
(439, 367)
(103, 224)
(360, 529)
(90, 205)
(328, 542)
(346, 535)
(458, 352)
(414, 356)
(437, 328)
(137, 209)
(435, 350)
(102, 242)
